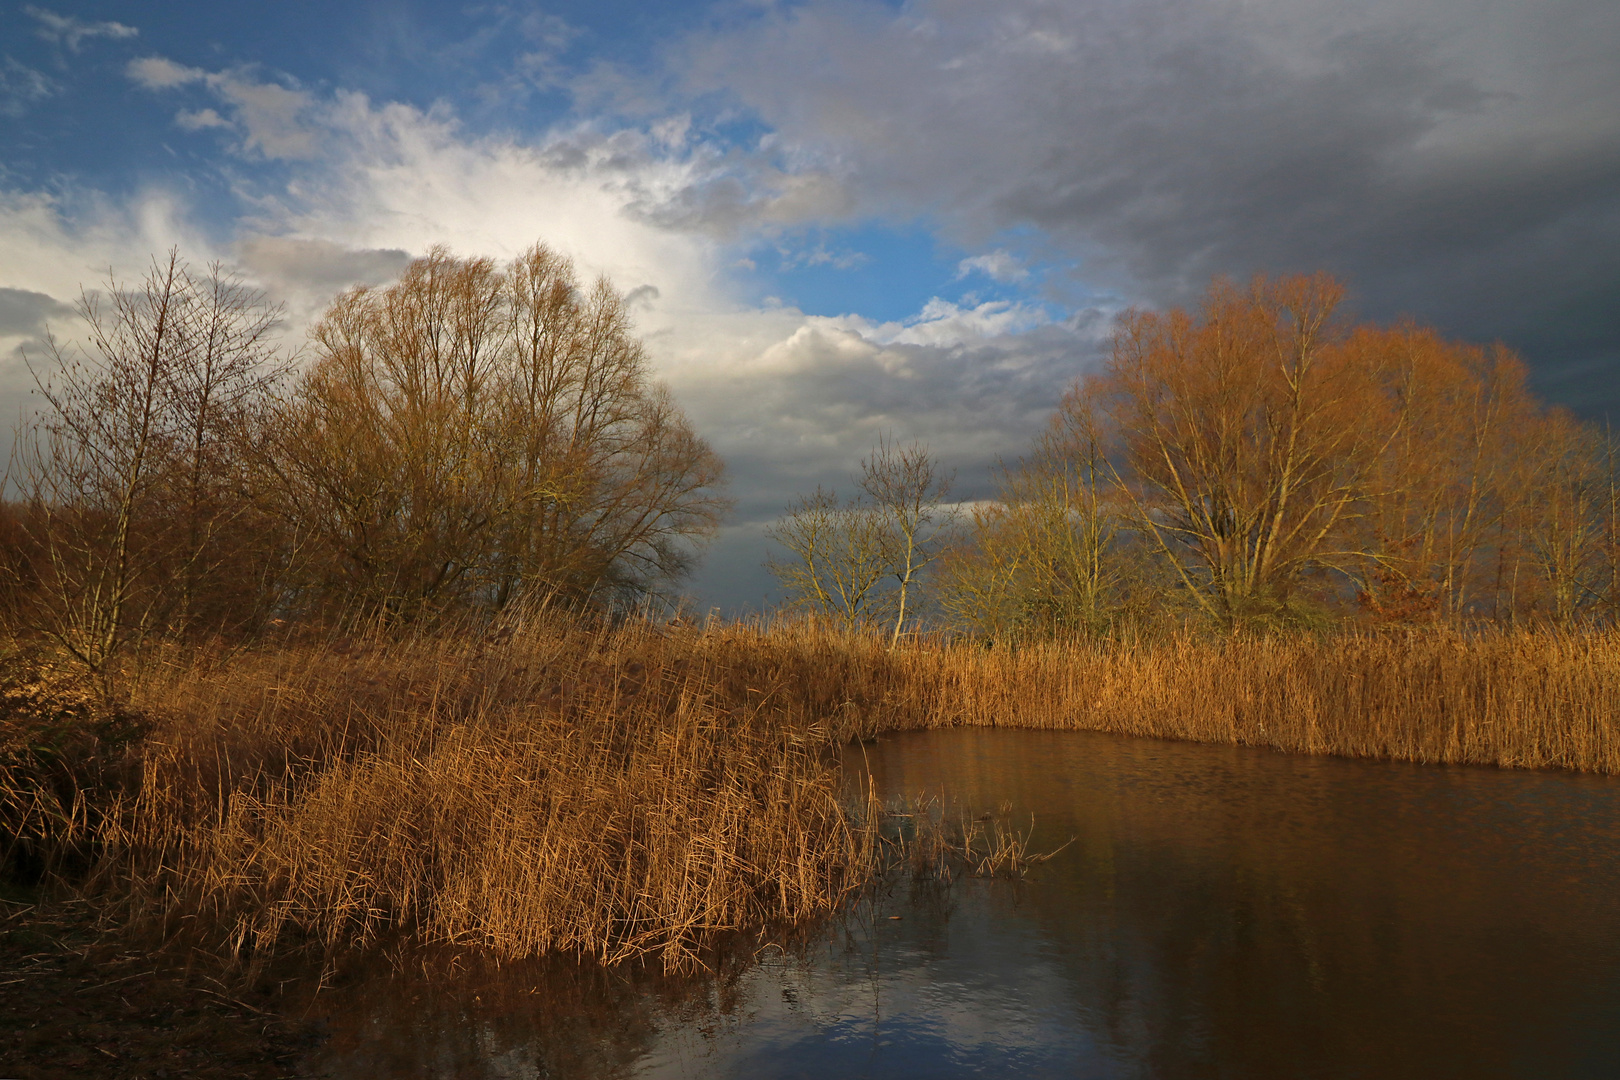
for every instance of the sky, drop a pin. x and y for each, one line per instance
(839, 220)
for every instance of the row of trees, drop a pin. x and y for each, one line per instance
(478, 433)
(1264, 459)
(467, 436)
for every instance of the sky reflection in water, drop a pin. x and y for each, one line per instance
(1224, 912)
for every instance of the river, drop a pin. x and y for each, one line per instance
(1221, 912)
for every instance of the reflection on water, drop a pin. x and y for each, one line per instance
(1224, 912)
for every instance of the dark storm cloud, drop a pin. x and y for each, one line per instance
(1456, 160)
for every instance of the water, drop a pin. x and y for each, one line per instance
(1222, 912)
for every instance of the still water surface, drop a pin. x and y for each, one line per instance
(1222, 912)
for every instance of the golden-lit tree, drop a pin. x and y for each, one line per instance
(1248, 433)
(1566, 523)
(1433, 516)
(476, 433)
(1262, 443)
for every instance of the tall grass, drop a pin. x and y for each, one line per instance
(598, 792)
(634, 791)
(1533, 698)
(1530, 699)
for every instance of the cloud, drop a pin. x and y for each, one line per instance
(996, 265)
(319, 265)
(642, 296)
(161, 73)
(273, 120)
(24, 313)
(200, 119)
(58, 242)
(732, 197)
(821, 255)
(794, 400)
(270, 116)
(68, 31)
(21, 86)
(1443, 155)
(305, 274)
(25, 317)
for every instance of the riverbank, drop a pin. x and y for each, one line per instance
(76, 1002)
(630, 792)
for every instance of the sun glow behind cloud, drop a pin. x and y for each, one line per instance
(789, 398)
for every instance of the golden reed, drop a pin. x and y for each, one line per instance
(1515, 698)
(634, 791)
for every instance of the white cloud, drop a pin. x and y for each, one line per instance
(271, 117)
(161, 73)
(945, 324)
(997, 265)
(273, 120)
(71, 32)
(200, 119)
(56, 243)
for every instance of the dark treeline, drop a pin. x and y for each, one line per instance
(471, 435)
(1262, 462)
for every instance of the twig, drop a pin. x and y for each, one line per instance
(114, 982)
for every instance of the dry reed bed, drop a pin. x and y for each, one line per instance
(562, 790)
(1526, 698)
(1520, 699)
(633, 792)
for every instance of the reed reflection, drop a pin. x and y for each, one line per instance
(1222, 912)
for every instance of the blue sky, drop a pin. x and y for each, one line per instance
(844, 218)
(79, 122)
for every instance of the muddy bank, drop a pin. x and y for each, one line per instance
(78, 1003)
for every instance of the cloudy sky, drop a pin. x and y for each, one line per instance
(840, 218)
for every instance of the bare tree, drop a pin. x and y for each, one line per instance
(843, 554)
(839, 558)
(1069, 521)
(907, 494)
(217, 394)
(1048, 553)
(124, 477)
(1567, 521)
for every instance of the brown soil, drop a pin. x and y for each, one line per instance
(76, 1003)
